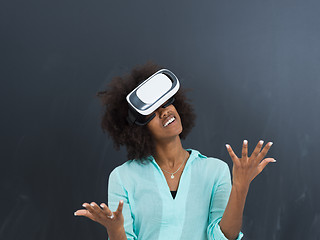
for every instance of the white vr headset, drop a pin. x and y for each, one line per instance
(150, 95)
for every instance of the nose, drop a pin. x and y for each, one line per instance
(163, 112)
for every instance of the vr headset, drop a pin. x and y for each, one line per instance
(150, 95)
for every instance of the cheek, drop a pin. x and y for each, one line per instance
(152, 126)
(177, 114)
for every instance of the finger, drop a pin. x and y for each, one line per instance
(120, 207)
(90, 208)
(233, 156)
(95, 207)
(257, 150)
(98, 212)
(85, 213)
(264, 151)
(106, 210)
(245, 150)
(264, 163)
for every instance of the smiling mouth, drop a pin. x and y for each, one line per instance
(170, 120)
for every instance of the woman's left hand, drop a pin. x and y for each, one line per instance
(245, 169)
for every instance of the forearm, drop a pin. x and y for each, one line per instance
(117, 235)
(231, 221)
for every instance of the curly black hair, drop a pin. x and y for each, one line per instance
(137, 139)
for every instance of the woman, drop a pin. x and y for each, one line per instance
(166, 191)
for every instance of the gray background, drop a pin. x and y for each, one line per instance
(253, 66)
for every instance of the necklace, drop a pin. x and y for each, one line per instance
(172, 177)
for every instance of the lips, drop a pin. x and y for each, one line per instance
(168, 120)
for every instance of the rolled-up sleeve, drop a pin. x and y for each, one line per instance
(219, 199)
(117, 192)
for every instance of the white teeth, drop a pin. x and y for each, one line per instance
(169, 121)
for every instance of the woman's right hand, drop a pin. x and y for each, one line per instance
(112, 221)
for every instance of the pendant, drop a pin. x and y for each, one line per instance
(172, 177)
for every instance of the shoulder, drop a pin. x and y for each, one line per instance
(132, 165)
(200, 158)
(213, 168)
(130, 169)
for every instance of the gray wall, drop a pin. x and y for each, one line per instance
(254, 70)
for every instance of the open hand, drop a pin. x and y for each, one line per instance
(103, 215)
(247, 168)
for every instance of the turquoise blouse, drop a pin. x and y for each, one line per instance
(151, 213)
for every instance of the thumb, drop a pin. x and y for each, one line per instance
(264, 163)
(120, 207)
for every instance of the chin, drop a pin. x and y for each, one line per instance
(179, 131)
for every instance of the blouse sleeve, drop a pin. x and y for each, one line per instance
(219, 199)
(117, 192)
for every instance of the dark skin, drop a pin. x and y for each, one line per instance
(169, 156)
(112, 221)
(244, 170)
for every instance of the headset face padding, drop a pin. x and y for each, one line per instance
(143, 120)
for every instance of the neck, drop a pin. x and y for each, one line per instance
(170, 154)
